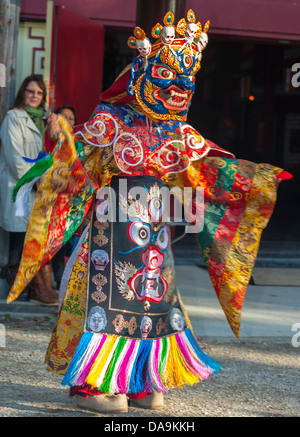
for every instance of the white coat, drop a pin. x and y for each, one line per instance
(20, 138)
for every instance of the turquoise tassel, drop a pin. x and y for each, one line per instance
(205, 359)
(78, 358)
(137, 380)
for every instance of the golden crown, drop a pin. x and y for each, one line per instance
(187, 33)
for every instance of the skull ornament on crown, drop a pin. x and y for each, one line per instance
(203, 39)
(140, 42)
(144, 47)
(168, 31)
(162, 77)
(191, 32)
(168, 35)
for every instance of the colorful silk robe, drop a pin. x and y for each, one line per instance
(239, 198)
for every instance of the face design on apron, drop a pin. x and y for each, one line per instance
(148, 283)
(147, 231)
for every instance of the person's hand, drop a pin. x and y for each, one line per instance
(53, 127)
(276, 180)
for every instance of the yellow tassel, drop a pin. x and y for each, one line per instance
(176, 373)
(100, 365)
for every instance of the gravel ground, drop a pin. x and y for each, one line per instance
(259, 378)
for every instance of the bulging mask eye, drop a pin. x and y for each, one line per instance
(162, 72)
(139, 233)
(187, 60)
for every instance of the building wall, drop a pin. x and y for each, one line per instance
(251, 51)
(267, 19)
(114, 13)
(31, 50)
(260, 19)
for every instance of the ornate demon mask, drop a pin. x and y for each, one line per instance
(162, 77)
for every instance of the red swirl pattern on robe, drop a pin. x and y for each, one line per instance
(140, 150)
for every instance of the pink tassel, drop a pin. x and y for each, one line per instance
(194, 366)
(124, 373)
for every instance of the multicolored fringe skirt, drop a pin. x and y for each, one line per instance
(122, 326)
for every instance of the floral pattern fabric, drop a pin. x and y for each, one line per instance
(239, 197)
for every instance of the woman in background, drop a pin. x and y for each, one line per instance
(21, 134)
(69, 113)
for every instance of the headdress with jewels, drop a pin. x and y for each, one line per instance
(162, 77)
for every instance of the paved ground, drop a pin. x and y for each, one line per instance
(259, 377)
(260, 371)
